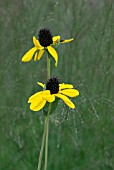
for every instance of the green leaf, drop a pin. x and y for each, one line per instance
(45, 109)
(53, 107)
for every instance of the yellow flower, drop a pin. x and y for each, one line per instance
(45, 42)
(50, 91)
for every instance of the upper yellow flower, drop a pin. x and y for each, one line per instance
(45, 42)
(50, 91)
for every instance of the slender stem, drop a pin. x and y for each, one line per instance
(46, 126)
(46, 142)
(47, 117)
(48, 66)
(42, 146)
(43, 140)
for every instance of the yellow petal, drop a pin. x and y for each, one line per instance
(41, 84)
(47, 96)
(36, 56)
(70, 92)
(37, 43)
(65, 86)
(66, 100)
(53, 53)
(56, 40)
(35, 97)
(41, 52)
(66, 41)
(36, 106)
(28, 56)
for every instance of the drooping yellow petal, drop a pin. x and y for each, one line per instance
(66, 41)
(35, 97)
(47, 96)
(37, 43)
(41, 84)
(54, 54)
(66, 100)
(65, 86)
(37, 105)
(70, 92)
(28, 56)
(36, 56)
(56, 40)
(41, 52)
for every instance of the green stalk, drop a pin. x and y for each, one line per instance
(42, 146)
(46, 142)
(48, 66)
(47, 117)
(46, 127)
(43, 140)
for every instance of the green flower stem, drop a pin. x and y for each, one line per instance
(47, 117)
(43, 140)
(42, 146)
(46, 126)
(46, 142)
(48, 66)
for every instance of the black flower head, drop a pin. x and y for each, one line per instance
(45, 37)
(53, 85)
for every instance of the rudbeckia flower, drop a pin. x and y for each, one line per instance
(45, 42)
(50, 91)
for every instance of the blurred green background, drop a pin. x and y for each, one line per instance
(80, 139)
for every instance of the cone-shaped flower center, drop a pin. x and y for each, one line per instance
(53, 85)
(45, 37)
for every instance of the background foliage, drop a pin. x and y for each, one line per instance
(81, 139)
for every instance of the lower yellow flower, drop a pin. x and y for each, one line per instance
(51, 90)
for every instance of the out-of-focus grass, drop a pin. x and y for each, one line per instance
(80, 139)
